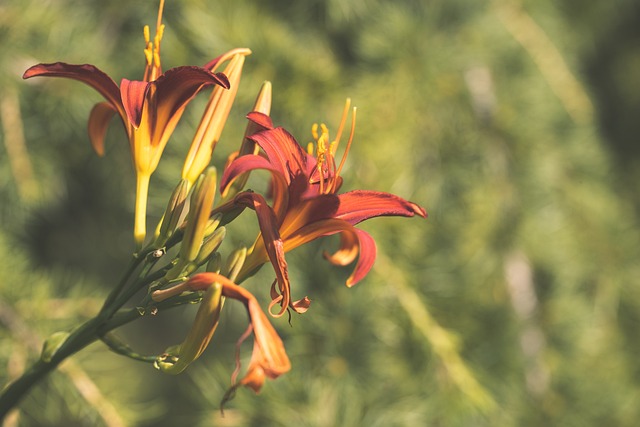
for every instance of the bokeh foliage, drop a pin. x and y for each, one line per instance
(515, 123)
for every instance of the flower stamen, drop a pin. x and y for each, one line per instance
(153, 68)
(351, 133)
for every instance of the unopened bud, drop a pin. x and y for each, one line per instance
(235, 263)
(177, 358)
(198, 217)
(261, 105)
(172, 213)
(210, 245)
(215, 263)
(215, 116)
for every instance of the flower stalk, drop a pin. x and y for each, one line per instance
(303, 203)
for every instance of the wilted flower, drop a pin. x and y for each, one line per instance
(268, 360)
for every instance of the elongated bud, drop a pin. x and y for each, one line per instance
(177, 358)
(210, 245)
(235, 263)
(212, 224)
(214, 117)
(172, 213)
(198, 217)
(261, 105)
(215, 263)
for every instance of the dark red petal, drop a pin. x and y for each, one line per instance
(86, 73)
(134, 93)
(174, 89)
(357, 206)
(283, 151)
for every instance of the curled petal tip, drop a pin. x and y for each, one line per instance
(419, 210)
(223, 80)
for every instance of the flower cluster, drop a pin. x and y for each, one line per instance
(303, 203)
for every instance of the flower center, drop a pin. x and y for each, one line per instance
(153, 67)
(326, 173)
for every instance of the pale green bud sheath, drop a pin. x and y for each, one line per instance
(214, 264)
(213, 224)
(202, 199)
(172, 213)
(235, 263)
(210, 245)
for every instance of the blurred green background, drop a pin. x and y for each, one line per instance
(516, 303)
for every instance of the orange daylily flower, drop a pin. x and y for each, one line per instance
(149, 109)
(306, 206)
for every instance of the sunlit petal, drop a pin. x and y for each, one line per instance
(359, 205)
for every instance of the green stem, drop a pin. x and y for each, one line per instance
(77, 340)
(108, 303)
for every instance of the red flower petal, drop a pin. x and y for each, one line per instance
(134, 93)
(262, 120)
(251, 162)
(366, 258)
(273, 244)
(357, 206)
(86, 73)
(284, 153)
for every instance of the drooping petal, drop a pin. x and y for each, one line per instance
(86, 73)
(352, 241)
(348, 251)
(359, 205)
(270, 244)
(99, 119)
(269, 358)
(366, 257)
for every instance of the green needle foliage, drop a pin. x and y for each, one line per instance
(517, 302)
